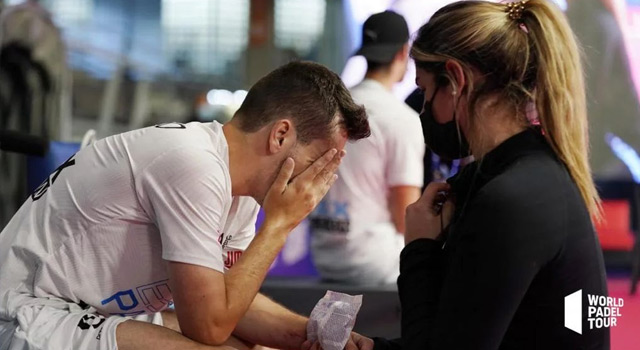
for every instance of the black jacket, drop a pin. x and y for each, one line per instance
(520, 241)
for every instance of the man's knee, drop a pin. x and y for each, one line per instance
(37, 327)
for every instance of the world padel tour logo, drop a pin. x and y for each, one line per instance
(602, 311)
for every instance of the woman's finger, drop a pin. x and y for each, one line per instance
(432, 190)
(447, 211)
(306, 345)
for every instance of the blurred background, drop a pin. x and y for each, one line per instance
(115, 65)
(69, 66)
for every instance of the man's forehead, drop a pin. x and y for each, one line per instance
(323, 145)
(339, 130)
(319, 146)
(338, 137)
(335, 139)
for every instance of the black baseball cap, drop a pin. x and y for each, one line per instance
(383, 35)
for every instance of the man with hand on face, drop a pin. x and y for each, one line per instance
(166, 214)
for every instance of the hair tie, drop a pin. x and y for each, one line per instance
(515, 9)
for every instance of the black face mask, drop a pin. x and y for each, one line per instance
(443, 139)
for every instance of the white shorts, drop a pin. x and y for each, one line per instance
(59, 325)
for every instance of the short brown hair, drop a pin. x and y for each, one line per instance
(310, 95)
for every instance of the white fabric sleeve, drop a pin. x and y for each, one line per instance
(247, 231)
(405, 153)
(188, 192)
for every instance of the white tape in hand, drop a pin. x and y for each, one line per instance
(332, 320)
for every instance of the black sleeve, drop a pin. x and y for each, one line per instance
(419, 288)
(384, 344)
(470, 306)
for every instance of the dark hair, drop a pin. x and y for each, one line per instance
(374, 66)
(310, 95)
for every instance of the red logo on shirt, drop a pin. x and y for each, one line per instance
(232, 257)
(224, 241)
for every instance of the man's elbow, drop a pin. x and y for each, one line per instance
(214, 335)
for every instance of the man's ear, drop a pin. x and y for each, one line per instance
(282, 136)
(456, 75)
(403, 54)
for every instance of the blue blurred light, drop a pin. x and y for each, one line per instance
(626, 154)
(562, 4)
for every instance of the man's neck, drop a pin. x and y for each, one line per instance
(238, 160)
(383, 77)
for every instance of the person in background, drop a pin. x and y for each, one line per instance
(357, 229)
(491, 255)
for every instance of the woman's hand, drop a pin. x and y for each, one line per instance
(358, 342)
(355, 342)
(428, 217)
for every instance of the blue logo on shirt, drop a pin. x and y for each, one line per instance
(155, 297)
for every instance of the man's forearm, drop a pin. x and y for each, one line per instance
(270, 324)
(210, 308)
(399, 198)
(243, 280)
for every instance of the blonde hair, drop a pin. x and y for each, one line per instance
(532, 57)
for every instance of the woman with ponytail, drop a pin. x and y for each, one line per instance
(491, 255)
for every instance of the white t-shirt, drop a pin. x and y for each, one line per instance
(100, 229)
(352, 226)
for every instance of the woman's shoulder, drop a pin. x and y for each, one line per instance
(534, 188)
(533, 175)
